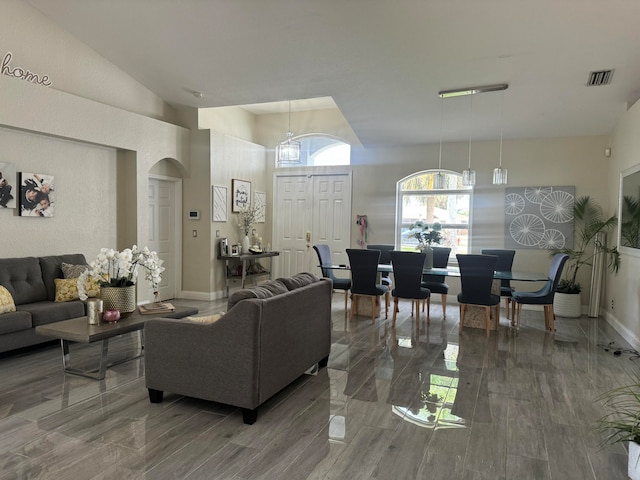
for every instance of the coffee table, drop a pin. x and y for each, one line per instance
(78, 330)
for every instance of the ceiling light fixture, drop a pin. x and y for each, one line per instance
(468, 175)
(438, 178)
(500, 174)
(460, 92)
(289, 149)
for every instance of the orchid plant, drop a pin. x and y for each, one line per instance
(112, 268)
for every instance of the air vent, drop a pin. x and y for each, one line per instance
(601, 77)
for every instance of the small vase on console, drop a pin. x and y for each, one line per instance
(246, 244)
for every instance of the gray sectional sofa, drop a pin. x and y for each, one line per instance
(30, 281)
(270, 335)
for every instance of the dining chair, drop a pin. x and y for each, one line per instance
(505, 263)
(476, 277)
(364, 274)
(436, 283)
(407, 274)
(544, 296)
(385, 258)
(324, 257)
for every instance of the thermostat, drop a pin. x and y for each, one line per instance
(194, 214)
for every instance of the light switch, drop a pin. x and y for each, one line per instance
(217, 233)
(195, 233)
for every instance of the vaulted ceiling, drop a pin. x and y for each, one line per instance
(382, 61)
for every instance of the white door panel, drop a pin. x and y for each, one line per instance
(161, 225)
(310, 209)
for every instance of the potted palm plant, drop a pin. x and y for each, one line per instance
(590, 223)
(622, 423)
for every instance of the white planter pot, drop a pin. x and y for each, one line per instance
(633, 468)
(566, 305)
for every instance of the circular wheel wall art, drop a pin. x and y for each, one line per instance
(513, 204)
(538, 217)
(557, 207)
(552, 239)
(527, 230)
(537, 194)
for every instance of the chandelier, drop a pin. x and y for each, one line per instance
(288, 151)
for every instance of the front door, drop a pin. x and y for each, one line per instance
(310, 209)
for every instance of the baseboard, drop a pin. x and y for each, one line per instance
(624, 332)
(204, 296)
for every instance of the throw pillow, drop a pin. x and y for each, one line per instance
(67, 289)
(72, 271)
(299, 280)
(208, 319)
(6, 301)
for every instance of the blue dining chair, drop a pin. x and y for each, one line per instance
(476, 277)
(364, 274)
(544, 296)
(324, 257)
(407, 274)
(385, 259)
(505, 264)
(436, 283)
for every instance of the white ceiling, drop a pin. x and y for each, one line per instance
(381, 61)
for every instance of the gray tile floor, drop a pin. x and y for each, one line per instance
(392, 404)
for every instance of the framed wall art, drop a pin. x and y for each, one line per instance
(219, 199)
(7, 185)
(37, 195)
(260, 204)
(240, 194)
(539, 217)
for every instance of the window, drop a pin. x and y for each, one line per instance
(321, 150)
(418, 200)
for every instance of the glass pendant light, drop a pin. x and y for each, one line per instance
(500, 174)
(468, 175)
(289, 149)
(438, 179)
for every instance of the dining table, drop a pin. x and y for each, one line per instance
(453, 271)
(474, 319)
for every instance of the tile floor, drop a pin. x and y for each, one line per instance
(392, 404)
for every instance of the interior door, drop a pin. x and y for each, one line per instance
(310, 209)
(161, 227)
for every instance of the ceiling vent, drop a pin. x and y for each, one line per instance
(601, 77)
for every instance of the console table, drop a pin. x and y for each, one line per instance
(245, 260)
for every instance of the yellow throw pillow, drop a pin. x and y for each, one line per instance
(206, 319)
(67, 289)
(6, 301)
(92, 288)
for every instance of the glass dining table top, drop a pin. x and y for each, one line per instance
(451, 271)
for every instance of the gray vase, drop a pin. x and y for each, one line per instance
(428, 259)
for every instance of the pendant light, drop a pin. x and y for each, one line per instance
(438, 179)
(289, 149)
(500, 174)
(468, 175)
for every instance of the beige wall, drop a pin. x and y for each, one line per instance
(624, 288)
(42, 47)
(99, 152)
